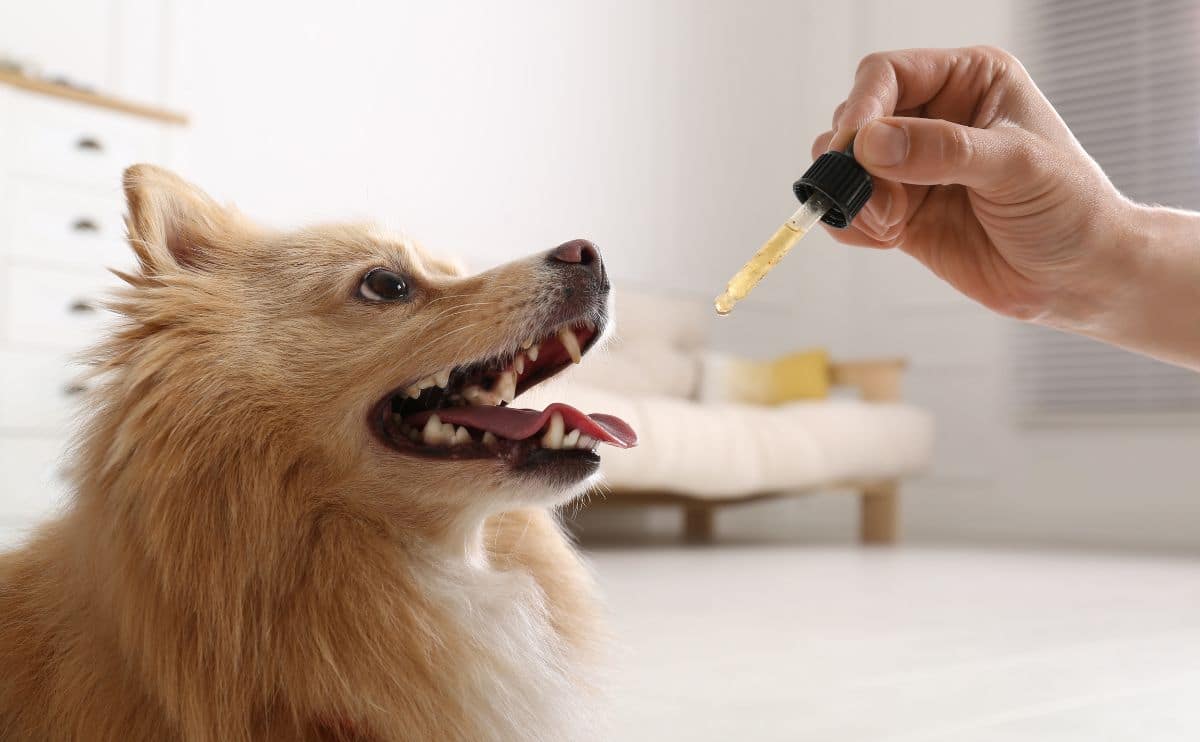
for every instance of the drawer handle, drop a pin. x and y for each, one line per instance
(74, 390)
(83, 224)
(89, 144)
(79, 306)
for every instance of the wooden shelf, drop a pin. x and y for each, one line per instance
(92, 99)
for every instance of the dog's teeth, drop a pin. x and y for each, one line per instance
(461, 436)
(506, 386)
(432, 434)
(554, 434)
(532, 352)
(519, 364)
(479, 397)
(585, 442)
(570, 439)
(443, 378)
(566, 336)
(427, 382)
(413, 391)
(489, 439)
(525, 345)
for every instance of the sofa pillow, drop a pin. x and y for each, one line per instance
(797, 376)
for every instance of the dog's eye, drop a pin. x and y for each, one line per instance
(380, 284)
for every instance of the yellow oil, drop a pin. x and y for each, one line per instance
(759, 265)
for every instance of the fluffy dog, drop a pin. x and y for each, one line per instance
(303, 507)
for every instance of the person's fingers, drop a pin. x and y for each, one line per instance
(933, 152)
(889, 203)
(886, 82)
(857, 238)
(837, 115)
(821, 144)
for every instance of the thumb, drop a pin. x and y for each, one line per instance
(934, 152)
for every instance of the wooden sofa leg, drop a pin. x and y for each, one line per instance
(879, 514)
(698, 523)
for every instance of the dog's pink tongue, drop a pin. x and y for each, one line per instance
(518, 424)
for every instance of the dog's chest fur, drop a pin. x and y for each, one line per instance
(522, 679)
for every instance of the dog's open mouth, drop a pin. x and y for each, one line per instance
(466, 412)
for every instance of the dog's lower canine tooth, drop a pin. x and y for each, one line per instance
(443, 378)
(432, 434)
(566, 336)
(570, 439)
(554, 433)
(461, 436)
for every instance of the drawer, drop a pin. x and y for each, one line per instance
(64, 225)
(71, 143)
(39, 391)
(55, 307)
(31, 482)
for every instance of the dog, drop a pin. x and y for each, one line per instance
(303, 507)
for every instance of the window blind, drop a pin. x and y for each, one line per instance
(1125, 76)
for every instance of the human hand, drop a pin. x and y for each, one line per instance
(978, 177)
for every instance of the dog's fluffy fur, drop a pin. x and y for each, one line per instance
(242, 560)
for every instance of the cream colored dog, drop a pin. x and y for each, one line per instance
(303, 508)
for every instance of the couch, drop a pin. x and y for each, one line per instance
(702, 450)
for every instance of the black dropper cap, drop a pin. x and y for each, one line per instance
(839, 177)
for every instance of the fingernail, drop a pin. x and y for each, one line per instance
(883, 144)
(879, 205)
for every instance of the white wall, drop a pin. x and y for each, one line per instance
(668, 132)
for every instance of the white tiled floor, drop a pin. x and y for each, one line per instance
(843, 645)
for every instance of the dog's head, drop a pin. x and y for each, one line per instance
(362, 354)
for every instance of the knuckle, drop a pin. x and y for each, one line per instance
(957, 146)
(1000, 60)
(873, 61)
(994, 53)
(1026, 153)
(837, 112)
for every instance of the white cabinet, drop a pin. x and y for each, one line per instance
(61, 228)
(70, 38)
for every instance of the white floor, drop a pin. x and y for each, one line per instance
(842, 645)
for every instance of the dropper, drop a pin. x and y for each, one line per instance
(832, 190)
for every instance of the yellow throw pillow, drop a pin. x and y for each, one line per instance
(790, 378)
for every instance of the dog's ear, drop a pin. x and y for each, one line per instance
(172, 224)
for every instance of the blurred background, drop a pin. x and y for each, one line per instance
(998, 527)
